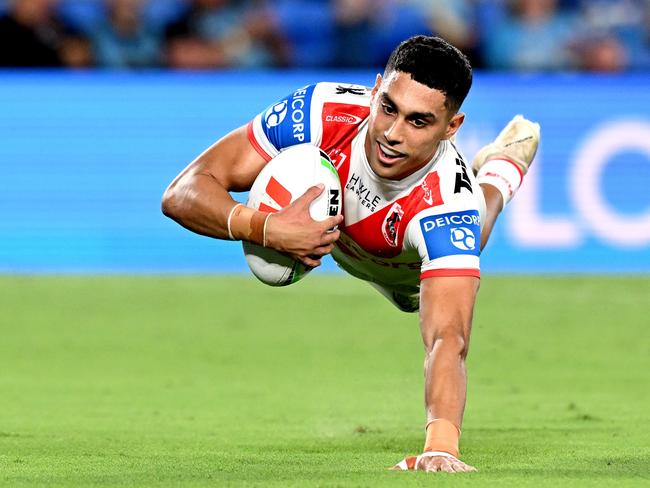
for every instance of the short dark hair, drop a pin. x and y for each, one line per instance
(435, 63)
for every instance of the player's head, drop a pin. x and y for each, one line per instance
(415, 105)
(434, 62)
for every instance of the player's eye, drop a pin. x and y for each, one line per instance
(418, 122)
(388, 109)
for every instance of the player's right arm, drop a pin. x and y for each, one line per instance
(199, 200)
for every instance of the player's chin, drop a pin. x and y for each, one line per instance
(391, 172)
(385, 169)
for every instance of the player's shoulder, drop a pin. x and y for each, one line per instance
(331, 92)
(449, 188)
(346, 93)
(448, 207)
(457, 182)
(311, 114)
(458, 202)
(448, 180)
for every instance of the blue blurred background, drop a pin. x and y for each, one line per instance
(102, 103)
(86, 156)
(523, 35)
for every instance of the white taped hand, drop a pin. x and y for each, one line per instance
(433, 461)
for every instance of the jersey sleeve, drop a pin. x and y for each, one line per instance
(292, 120)
(448, 240)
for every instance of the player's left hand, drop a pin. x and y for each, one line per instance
(293, 231)
(433, 462)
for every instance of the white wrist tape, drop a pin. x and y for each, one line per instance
(232, 211)
(404, 465)
(266, 221)
(503, 175)
(429, 454)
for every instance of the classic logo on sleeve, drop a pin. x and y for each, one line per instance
(287, 122)
(452, 233)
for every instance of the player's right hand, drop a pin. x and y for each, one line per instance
(433, 462)
(294, 232)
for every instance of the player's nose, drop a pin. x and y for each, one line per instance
(394, 133)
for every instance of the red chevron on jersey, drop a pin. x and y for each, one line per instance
(382, 233)
(340, 125)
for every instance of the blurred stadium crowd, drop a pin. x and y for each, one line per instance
(516, 35)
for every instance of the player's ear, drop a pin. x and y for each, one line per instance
(454, 124)
(375, 88)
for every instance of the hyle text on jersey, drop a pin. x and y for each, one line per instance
(363, 192)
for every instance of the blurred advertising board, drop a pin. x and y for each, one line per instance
(85, 158)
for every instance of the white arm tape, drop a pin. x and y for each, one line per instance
(232, 211)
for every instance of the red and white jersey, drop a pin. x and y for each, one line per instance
(395, 232)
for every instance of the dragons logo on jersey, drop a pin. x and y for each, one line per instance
(390, 228)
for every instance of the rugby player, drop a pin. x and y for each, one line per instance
(414, 215)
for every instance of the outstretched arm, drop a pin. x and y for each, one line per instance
(446, 309)
(447, 304)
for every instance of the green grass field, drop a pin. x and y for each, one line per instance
(213, 381)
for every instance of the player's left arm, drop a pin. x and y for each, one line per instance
(446, 311)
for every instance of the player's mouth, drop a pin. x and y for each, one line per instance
(387, 155)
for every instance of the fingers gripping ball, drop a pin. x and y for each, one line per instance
(284, 179)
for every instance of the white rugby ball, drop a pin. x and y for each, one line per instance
(284, 179)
